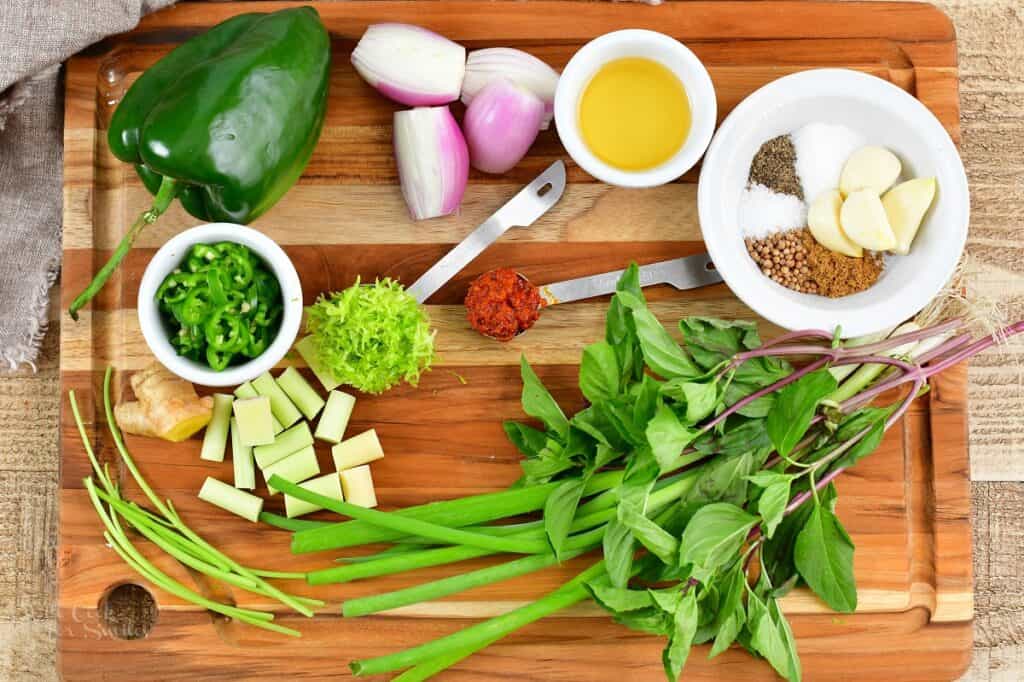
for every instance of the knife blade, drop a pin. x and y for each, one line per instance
(522, 210)
(688, 272)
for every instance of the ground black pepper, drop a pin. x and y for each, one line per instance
(774, 166)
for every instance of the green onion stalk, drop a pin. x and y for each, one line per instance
(163, 527)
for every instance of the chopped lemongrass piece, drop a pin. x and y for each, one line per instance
(231, 499)
(300, 392)
(253, 415)
(216, 437)
(361, 449)
(357, 486)
(241, 457)
(247, 391)
(328, 485)
(334, 419)
(296, 467)
(307, 348)
(287, 442)
(280, 405)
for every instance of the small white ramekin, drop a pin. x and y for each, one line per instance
(636, 43)
(170, 256)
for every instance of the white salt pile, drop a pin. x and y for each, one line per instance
(821, 151)
(763, 212)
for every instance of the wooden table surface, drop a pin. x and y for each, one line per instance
(991, 40)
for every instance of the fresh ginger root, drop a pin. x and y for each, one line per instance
(165, 407)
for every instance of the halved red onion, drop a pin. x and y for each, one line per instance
(410, 64)
(500, 124)
(522, 68)
(433, 162)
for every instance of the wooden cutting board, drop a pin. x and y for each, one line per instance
(906, 507)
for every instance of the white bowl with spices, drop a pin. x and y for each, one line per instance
(881, 114)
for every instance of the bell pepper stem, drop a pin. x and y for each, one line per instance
(163, 198)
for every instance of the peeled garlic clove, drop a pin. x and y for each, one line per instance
(873, 168)
(823, 222)
(863, 219)
(410, 64)
(905, 206)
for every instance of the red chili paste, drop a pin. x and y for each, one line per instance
(501, 304)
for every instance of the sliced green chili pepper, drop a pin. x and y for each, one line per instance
(226, 330)
(223, 304)
(175, 288)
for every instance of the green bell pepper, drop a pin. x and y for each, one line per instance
(225, 123)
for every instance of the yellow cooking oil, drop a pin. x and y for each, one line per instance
(634, 114)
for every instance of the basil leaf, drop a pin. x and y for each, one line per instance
(640, 474)
(766, 636)
(794, 408)
(761, 372)
(724, 480)
(788, 640)
(620, 331)
(867, 444)
(580, 446)
(527, 439)
(603, 456)
(559, 511)
(861, 419)
(620, 417)
(599, 372)
(777, 552)
(684, 627)
(618, 553)
(537, 402)
(618, 600)
(668, 599)
(763, 479)
(551, 460)
(772, 505)
(653, 621)
(751, 376)
(741, 436)
(652, 536)
(714, 535)
(730, 617)
(661, 353)
(645, 401)
(594, 422)
(700, 398)
(824, 557)
(711, 341)
(708, 601)
(667, 436)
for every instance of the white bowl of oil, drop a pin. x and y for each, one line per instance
(635, 108)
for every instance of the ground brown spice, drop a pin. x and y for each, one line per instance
(774, 166)
(797, 261)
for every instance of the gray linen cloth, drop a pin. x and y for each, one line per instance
(35, 37)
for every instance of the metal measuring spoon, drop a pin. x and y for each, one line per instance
(688, 272)
(522, 210)
(684, 273)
